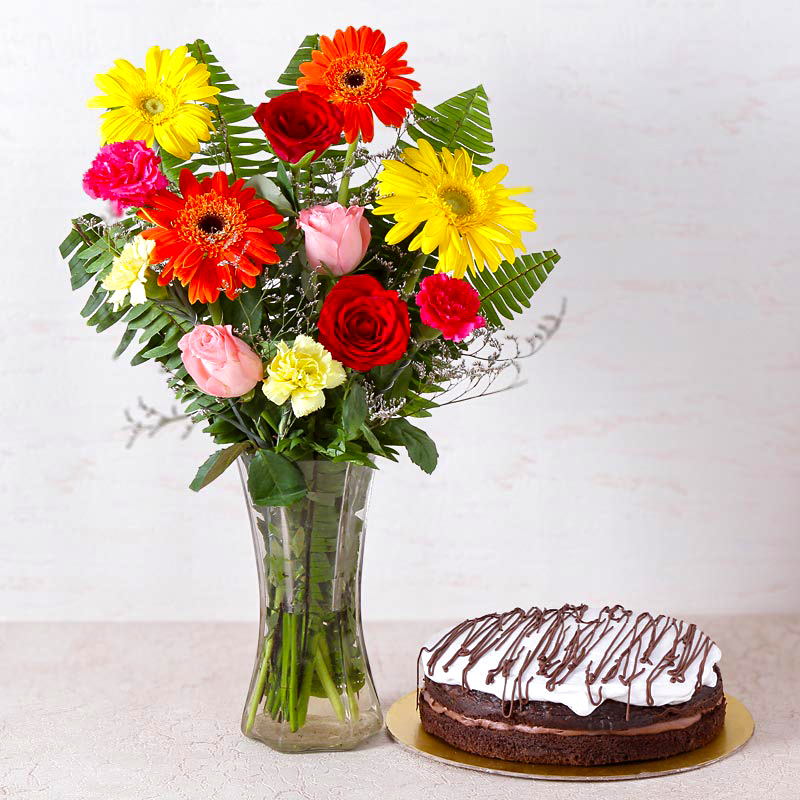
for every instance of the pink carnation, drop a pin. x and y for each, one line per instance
(450, 305)
(125, 173)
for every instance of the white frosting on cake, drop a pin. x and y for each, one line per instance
(677, 654)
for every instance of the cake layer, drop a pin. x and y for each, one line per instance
(611, 715)
(578, 749)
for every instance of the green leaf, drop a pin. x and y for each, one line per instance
(354, 410)
(355, 455)
(168, 346)
(372, 440)
(292, 72)
(105, 317)
(461, 121)
(420, 447)
(270, 191)
(69, 244)
(272, 415)
(216, 464)
(283, 179)
(160, 322)
(78, 276)
(89, 253)
(274, 480)
(83, 236)
(95, 300)
(507, 291)
(244, 313)
(223, 432)
(124, 343)
(381, 375)
(419, 406)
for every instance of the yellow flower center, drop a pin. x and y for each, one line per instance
(463, 202)
(156, 103)
(153, 105)
(459, 201)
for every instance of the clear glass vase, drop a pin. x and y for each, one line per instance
(311, 687)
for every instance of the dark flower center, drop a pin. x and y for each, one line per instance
(211, 223)
(354, 78)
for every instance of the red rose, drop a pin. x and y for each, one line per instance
(362, 324)
(297, 122)
(450, 305)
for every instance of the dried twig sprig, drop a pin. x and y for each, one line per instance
(492, 355)
(148, 421)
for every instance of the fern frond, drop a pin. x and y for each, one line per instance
(81, 247)
(510, 289)
(89, 249)
(292, 72)
(461, 121)
(237, 141)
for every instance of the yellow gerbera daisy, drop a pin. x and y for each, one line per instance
(159, 101)
(469, 218)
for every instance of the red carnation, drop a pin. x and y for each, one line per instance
(450, 305)
(297, 122)
(362, 324)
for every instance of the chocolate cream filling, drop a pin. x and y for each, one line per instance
(656, 727)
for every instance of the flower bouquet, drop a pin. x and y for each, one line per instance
(306, 298)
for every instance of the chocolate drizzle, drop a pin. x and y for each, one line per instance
(555, 643)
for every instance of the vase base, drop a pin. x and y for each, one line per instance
(318, 734)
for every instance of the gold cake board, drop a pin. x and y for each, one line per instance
(404, 727)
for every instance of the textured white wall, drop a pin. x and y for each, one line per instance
(652, 458)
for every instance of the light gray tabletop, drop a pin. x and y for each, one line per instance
(150, 711)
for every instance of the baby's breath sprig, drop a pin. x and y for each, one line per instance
(380, 409)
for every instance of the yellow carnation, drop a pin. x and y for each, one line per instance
(301, 372)
(129, 272)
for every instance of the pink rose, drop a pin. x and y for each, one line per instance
(221, 364)
(336, 237)
(124, 173)
(450, 305)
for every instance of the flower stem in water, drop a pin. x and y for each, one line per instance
(262, 679)
(328, 684)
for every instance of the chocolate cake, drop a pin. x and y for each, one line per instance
(572, 685)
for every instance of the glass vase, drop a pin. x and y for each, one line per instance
(311, 687)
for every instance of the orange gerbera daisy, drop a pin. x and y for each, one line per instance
(214, 236)
(353, 72)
